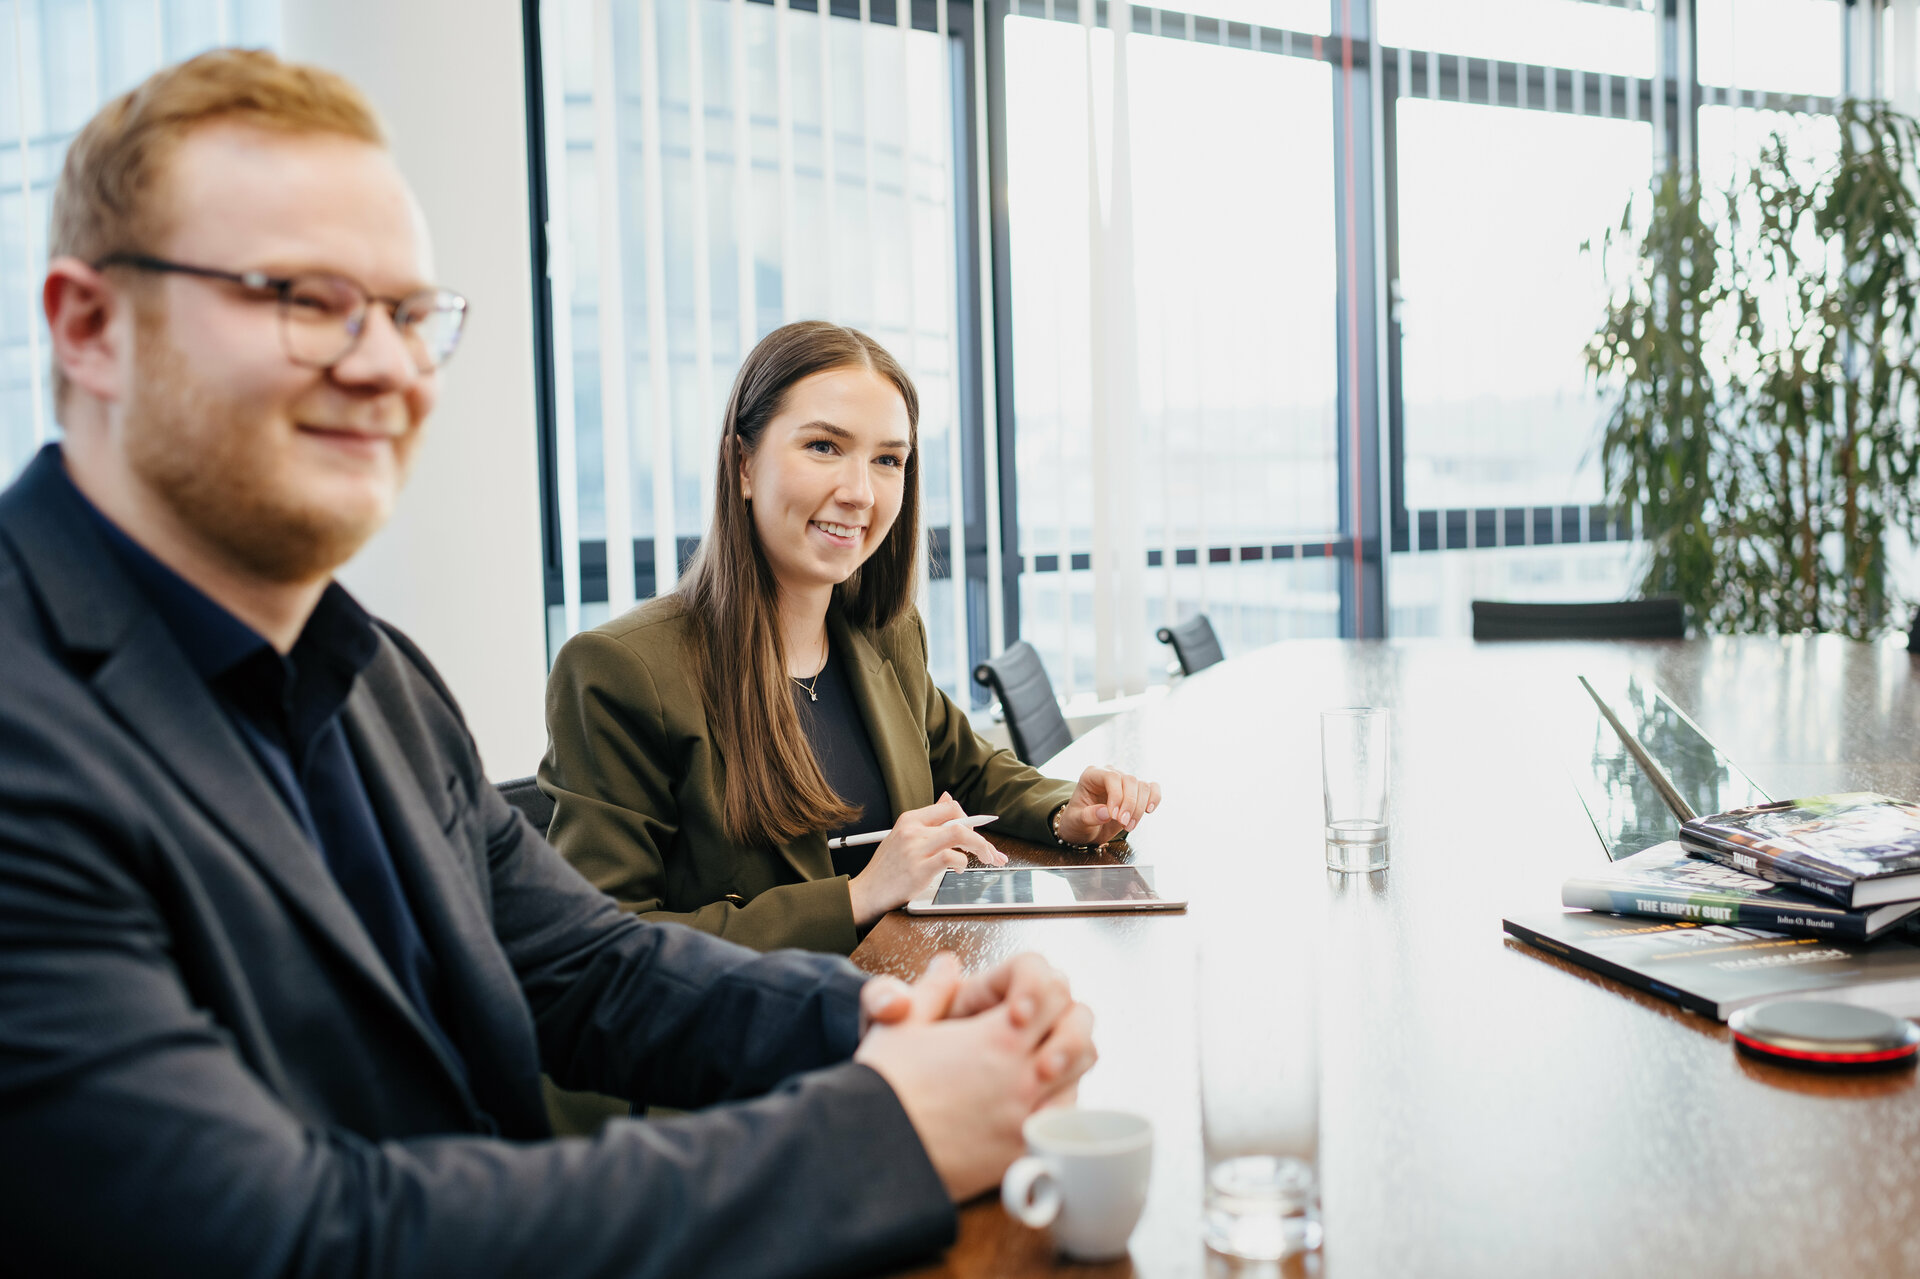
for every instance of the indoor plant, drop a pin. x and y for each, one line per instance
(1760, 352)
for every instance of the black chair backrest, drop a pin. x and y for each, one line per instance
(1026, 696)
(1617, 619)
(1194, 643)
(525, 794)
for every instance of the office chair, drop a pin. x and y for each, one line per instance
(524, 794)
(1194, 643)
(1034, 720)
(1663, 618)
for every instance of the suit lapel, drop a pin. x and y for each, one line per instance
(483, 996)
(146, 682)
(899, 740)
(149, 687)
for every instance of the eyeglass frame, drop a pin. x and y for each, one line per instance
(280, 285)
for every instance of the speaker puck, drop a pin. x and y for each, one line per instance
(1819, 1034)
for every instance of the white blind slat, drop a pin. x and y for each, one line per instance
(789, 212)
(903, 27)
(743, 198)
(702, 252)
(666, 559)
(94, 50)
(614, 415)
(31, 265)
(566, 479)
(829, 184)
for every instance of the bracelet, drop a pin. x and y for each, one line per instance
(1053, 825)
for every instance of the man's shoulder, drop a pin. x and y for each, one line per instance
(408, 665)
(60, 751)
(37, 674)
(407, 691)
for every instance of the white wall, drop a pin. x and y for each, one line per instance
(459, 567)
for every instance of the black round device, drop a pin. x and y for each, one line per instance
(1819, 1034)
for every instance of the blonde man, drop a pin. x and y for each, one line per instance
(279, 970)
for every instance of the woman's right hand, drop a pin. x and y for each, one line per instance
(920, 847)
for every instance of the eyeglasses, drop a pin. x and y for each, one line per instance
(324, 316)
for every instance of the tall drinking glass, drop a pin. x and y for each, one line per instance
(1355, 750)
(1259, 1100)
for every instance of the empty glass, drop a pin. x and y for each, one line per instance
(1259, 1097)
(1354, 756)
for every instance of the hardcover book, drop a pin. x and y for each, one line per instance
(1664, 882)
(1859, 849)
(1717, 969)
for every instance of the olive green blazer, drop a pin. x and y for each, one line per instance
(638, 783)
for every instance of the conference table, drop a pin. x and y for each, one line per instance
(1486, 1109)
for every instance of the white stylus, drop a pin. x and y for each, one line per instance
(875, 836)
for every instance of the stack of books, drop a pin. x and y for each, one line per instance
(1857, 850)
(1801, 897)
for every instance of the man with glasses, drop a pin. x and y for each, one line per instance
(279, 970)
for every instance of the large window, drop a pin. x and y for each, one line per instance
(1521, 133)
(1496, 301)
(1779, 46)
(1173, 327)
(59, 60)
(716, 168)
(1231, 308)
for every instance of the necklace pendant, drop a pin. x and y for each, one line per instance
(812, 696)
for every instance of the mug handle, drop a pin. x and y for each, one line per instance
(1030, 1193)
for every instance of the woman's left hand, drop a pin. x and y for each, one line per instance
(1105, 804)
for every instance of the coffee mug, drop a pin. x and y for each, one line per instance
(1085, 1176)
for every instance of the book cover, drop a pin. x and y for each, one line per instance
(1858, 849)
(1664, 882)
(1716, 969)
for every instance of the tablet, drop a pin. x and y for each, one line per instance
(1000, 890)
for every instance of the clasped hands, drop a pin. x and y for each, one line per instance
(971, 1057)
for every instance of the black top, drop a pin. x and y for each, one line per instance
(844, 748)
(287, 709)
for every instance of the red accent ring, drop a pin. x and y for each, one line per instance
(1884, 1054)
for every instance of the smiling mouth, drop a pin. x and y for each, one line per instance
(847, 531)
(367, 446)
(349, 434)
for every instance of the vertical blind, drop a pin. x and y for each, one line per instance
(717, 168)
(59, 60)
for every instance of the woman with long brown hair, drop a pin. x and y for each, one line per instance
(706, 745)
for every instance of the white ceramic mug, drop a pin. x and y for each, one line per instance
(1085, 1176)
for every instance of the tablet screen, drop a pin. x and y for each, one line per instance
(1037, 886)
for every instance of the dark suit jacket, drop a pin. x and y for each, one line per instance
(639, 784)
(206, 1068)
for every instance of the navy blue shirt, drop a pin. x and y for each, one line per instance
(287, 708)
